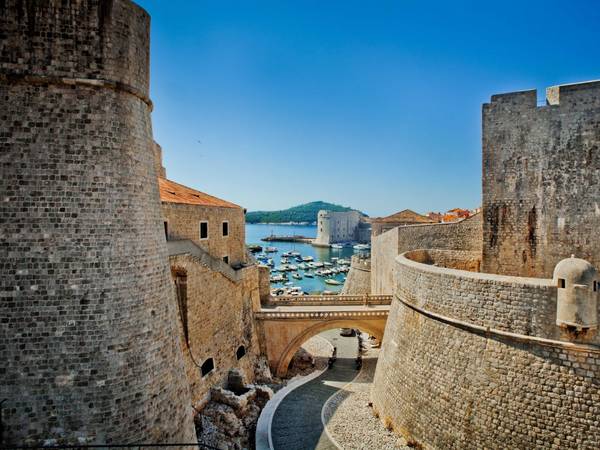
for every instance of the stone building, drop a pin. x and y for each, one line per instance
(216, 284)
(346, 226)
(214, 225)
(405, 217)
(491, 340)
(89, 332)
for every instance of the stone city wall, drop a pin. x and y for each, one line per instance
(183, 222)
(89, 328)
(358, 280)
(219, 320)
(474, 360)
(541, 183)
(463, 235)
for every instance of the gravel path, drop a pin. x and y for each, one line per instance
(297, 421)
(350, 420)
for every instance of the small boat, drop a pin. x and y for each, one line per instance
(289, 283)
(327, 264)
(294, 253)
(308, 275)
(318, 264)
(307, 258)
(298, 259)
(337, 246)
(271, 250)
(361, 247)
(284, 260)
(292, 267)
(297, 276)
(286, 254)
(333, 282)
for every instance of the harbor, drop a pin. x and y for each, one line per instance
(297, 267)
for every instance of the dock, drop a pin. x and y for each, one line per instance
(295, 238)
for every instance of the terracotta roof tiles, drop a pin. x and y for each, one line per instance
(405, 216)
(171, 192)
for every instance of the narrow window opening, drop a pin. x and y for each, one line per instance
(180, 278)
(203, 230)
(595, 286)
(207, 367)
(226, 259)
(225, 228)
(240, 352)
(561, 283)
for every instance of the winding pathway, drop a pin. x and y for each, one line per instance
(297, 421)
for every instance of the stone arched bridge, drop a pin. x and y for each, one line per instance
(288, 321)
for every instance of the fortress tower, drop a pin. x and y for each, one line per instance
(88, 331)
(541, 180)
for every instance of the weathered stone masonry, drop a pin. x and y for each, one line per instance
(88, 332)
(485, 360)
(463, 235)
(541, 178)
(509, 384)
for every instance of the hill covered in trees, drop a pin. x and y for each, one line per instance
(301, 213)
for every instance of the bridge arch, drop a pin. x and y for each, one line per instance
(374, 328)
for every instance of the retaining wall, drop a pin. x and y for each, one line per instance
(358, 280)
(463, 235)
(473, 360)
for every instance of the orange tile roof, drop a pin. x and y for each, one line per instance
(171, 192)
(405, 216)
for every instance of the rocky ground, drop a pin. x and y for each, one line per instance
(349, 418)
(228, 421)
(313, 355)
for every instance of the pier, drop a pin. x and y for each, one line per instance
(295, 238)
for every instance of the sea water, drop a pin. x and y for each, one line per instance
(255, 232)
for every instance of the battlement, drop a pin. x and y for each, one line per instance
(587, 92)
(575, 95)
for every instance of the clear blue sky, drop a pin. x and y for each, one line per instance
(374, 105)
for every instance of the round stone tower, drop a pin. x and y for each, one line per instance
(88, 328)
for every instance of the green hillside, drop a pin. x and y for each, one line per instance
(301, 213)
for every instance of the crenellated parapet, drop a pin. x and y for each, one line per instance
(540, 167)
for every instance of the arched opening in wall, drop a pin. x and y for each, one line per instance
(207, 367)
(240, 352)
(180, 279)
(290, 355)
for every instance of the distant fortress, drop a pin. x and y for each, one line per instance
(344, 226)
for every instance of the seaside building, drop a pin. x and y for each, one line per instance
(347, 226)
